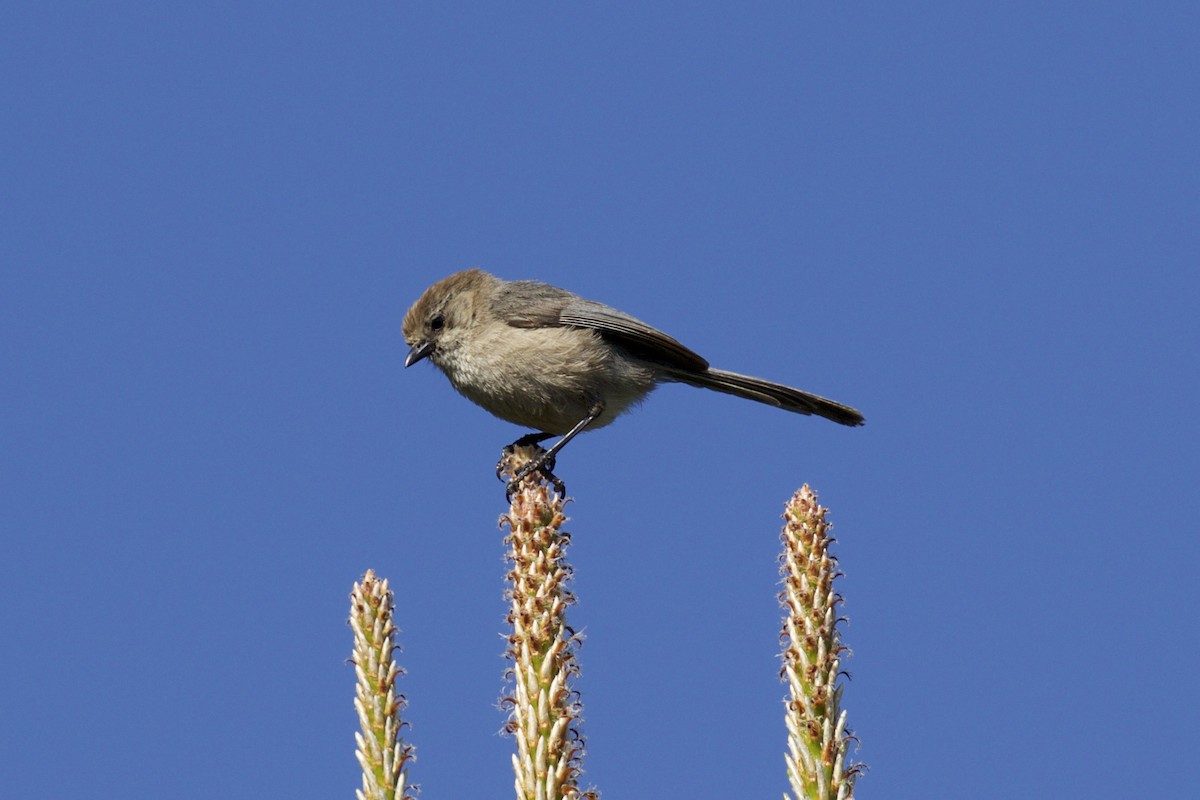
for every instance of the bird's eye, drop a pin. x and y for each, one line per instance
(437, 322)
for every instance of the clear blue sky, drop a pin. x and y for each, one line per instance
(978, 224)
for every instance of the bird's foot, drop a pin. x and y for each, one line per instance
(534, 463)
(540, 465)
(528, 440)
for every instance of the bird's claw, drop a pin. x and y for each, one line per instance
(528, 440)
(502, 464)
(540, 464)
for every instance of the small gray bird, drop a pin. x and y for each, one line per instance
(544, 358)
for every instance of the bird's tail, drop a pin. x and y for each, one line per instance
(773, 394)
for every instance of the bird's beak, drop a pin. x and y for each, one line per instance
(419, 350)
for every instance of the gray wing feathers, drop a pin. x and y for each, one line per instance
(529, 304)
(644, 341)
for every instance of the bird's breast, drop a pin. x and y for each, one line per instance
(547, 379)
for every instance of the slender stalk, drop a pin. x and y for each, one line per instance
(818, 740)
(383, 755)
(545, 712)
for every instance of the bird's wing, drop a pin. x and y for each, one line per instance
(539, 305)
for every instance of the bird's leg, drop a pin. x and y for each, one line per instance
(545, 462)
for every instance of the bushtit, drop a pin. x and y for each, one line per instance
(543, 358)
